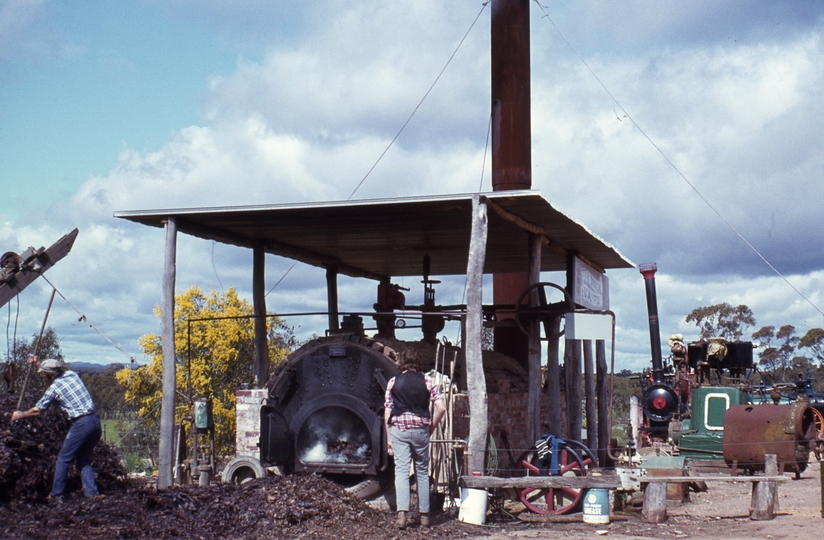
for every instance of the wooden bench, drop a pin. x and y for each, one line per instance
(764, 494)
(542, 482)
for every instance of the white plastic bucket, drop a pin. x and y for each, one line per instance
(473, 506)
(596, 506)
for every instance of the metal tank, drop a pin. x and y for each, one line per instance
(752, 431)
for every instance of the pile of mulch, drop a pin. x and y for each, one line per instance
(273, 507)
(29, 447)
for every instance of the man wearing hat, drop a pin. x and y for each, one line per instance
(69, 392)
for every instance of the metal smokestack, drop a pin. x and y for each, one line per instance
(511, 145)
(659, 400)
(648, 271)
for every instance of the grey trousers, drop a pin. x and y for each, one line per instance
(409, 445)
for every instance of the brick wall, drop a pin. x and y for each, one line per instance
(248, 406)
(507, 423)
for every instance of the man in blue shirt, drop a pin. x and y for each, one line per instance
(68, 391)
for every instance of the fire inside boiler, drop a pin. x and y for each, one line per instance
(334, 435)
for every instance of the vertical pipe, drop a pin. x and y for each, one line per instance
(648, 271)
(511, 144)
(511, 121)
(165, 475)
(261, 365)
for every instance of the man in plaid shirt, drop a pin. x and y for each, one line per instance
(408, 427)
(68, 391)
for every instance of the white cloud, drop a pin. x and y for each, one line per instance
(306, 120)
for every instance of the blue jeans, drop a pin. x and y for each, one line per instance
(81, 440)
(408, 445)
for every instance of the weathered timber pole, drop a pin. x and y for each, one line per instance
(332, 298)
(511, 145)
(553, 377)
(602, 391)
(589, 391)
(165, 476)
(261, 362)
(475, 379)
(534, 384)
(572, 377)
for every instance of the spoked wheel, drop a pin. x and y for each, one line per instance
(818, 418)
(588, 458)
(551, 500)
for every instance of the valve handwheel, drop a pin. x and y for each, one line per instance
(551, 500)
(544, 312)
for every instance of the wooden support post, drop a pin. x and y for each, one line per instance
(655, 503)
(165, 476)
(260, 368)
(574, 397)
(553, 379)
(602, 391)
(821, 483)
(475, 379)
(332, 298)
(533, 427)
(765, 493)
(589, 391)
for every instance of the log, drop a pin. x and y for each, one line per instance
(765, 494)
(655, 503)
(542, 482)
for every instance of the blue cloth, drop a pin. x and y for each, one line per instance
(81, 440)
(408, 445)
(70, 394)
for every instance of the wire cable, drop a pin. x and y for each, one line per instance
(418, 106)
(83, 318)
(674, 167)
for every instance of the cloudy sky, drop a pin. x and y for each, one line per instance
(672, 130)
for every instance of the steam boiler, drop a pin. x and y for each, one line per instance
(324, 412)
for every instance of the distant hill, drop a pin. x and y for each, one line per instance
(88, 367)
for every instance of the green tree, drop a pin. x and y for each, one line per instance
(776, 350)
(722, 320)
(814, 341)
(109, 397)
(213, 361)
(49, 347)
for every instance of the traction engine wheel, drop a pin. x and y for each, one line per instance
(818, 419)
(551, 500)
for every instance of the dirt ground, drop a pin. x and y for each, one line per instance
(720, 512)
(313, 507)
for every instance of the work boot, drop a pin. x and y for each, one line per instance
(424, 520)
(400, 522)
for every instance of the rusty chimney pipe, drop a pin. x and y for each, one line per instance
(511, 144)
(511, 113)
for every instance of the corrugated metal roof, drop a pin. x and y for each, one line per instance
(390, 237)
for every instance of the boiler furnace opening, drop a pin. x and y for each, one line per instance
(334, 435)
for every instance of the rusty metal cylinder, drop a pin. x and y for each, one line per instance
(753, 431)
